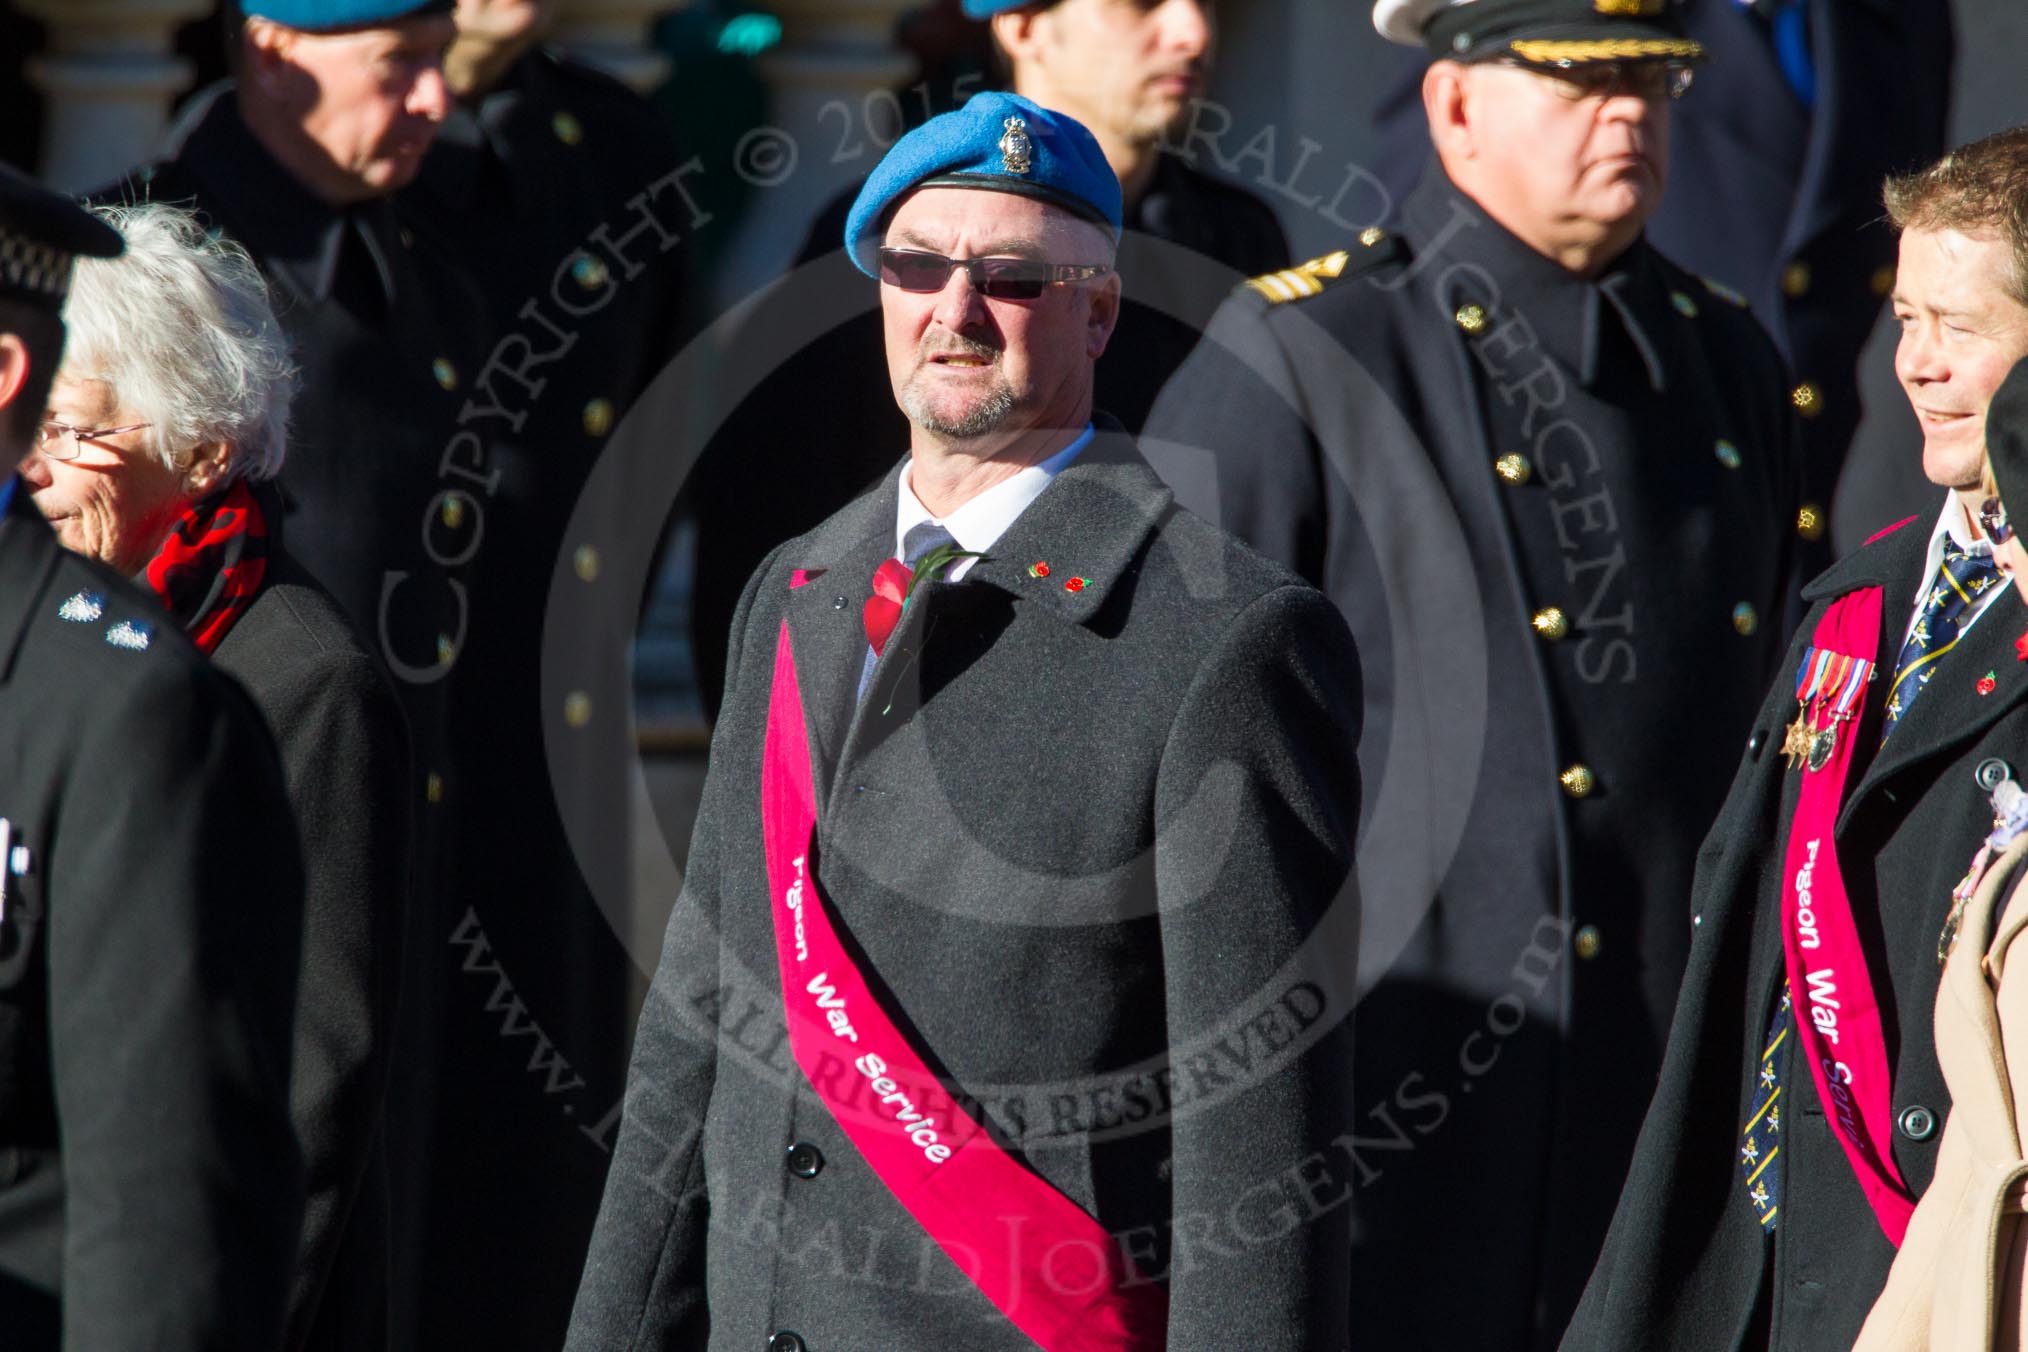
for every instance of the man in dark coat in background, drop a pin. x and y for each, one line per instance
(150, 921)
(1062, 814)
(1550, 478)
(1776, 158)
(561, 192)
(1761, 1210)
(822, 428)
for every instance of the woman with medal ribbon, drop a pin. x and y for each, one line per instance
(1959, 1280)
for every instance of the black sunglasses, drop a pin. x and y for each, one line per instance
(1993, 521)
(1000, 278)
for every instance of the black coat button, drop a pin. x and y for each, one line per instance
(1917, 1123)
(1992, 773)
(805, 1160)
(1756, 742)
(786, 1341)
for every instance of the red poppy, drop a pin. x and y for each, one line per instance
(1076, 584)
(883, 609)
(1986, 684)
(1038, 570)
(2021, 647)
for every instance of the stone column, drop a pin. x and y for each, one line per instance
(107, 77)
(613, 35)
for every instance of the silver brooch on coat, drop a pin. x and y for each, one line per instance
(82, 608)
(131, 635)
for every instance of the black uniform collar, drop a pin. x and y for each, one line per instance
(285, 225)
(1563, 309)
(28, 554)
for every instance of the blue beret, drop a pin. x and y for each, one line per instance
(986, 9)
(998, 142)
(313, 16)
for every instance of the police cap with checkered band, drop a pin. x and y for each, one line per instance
(41, 233)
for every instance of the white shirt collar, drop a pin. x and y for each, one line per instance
(978, 523)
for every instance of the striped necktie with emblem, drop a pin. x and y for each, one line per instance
(1960, 581)
(1760, 1142)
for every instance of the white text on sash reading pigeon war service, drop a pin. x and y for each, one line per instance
(921, 1130)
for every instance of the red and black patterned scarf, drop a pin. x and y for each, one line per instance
(207, 571)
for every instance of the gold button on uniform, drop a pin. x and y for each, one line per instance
(1796, 280)
(598, 417)
(1684, 305)
(446, 650)
(577, 708)
(1727, 453)
(433, 787)
(1808, 399)
(1514, 469)
(1586, 942)
(1745, 619)
(453, 510)
(567, 128)
(446, 374)
(1551, 623)
(591, 273)
(1578, 781)
(1472, 319)
(1371, 236)
(1810, 522)
(586, 561)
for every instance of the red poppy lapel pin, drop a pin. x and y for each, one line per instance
(1988, 681)
(894, 584)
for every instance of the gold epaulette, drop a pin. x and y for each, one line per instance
(1299, 283)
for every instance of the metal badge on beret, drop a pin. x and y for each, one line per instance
(1017, 152)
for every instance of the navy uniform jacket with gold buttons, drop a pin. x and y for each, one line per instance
(1780, 200)
(1686, 1262)
(151, 1189)
(559, 191)
(1559, 517)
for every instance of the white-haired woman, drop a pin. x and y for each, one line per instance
(167, 422)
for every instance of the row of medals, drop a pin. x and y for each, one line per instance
(1807, 744)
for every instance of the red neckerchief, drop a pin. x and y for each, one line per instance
(207, 571)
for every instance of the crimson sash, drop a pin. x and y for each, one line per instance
(1837, 1014)
(1049, 1267)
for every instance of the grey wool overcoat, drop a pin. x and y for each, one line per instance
(1091, 841)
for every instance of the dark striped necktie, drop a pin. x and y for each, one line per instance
(1761, 1139)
